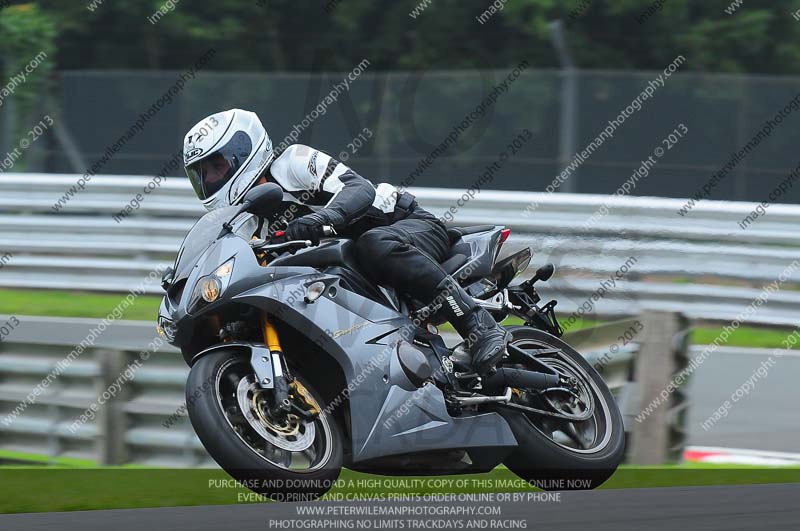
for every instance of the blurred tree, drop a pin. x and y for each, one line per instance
(287, 35)
(26, 35)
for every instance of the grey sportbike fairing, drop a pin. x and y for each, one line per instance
(398, 394)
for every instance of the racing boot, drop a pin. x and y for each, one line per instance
(484, 338)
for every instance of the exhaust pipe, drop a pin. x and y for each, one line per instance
(475, 400)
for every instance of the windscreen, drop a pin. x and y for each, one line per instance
(205, 232)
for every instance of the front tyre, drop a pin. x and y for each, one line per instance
(291, 459)
(561, 453)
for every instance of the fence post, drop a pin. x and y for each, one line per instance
(111, 415)
(656, 429)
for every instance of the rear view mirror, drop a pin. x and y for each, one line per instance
(167, 278)
(263, 199)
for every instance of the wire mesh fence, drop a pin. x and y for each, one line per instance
(443, 128)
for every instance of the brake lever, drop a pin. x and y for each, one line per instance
(278, 240)
(264, 245)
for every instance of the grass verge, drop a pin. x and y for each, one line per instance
(145, 308)
(48, 489)
(74, 304)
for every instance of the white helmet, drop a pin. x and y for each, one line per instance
(224, 154)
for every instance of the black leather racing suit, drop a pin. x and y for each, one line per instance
(397, 243)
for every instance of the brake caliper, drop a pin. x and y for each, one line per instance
(303, 393)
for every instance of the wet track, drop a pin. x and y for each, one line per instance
(764, 419)
(685, 508)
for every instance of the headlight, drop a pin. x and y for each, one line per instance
(211, 287)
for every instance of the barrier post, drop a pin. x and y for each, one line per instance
(111, 415)
(658, 437)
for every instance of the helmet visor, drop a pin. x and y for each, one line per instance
(211, 173)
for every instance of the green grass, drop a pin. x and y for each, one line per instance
(47, 489)
(29, 459)
(744, 336)
(74, 304)
(145, 308)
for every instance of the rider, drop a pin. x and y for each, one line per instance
(397, 243)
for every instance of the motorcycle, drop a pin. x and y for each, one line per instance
(300, 366)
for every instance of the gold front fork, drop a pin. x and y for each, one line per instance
(274, 345)
(271, 336)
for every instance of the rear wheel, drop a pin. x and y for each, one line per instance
(584, 444)
(286, 459)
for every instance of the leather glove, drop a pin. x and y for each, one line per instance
(306, 228)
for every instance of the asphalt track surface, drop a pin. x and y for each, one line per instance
(680, 508)
(764, 419)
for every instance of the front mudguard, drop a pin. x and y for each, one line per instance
(266, 365)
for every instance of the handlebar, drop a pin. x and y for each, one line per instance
(278, 240)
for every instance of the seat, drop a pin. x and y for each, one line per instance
(454, 263)
(340, 253)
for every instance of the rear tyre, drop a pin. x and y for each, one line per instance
(288, 460)
(556, 454)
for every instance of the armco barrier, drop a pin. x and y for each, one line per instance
(133, 426)
(702, 264)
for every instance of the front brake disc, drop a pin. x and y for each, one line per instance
(287, 439)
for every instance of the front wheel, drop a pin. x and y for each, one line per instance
(286, 459)
(580, 447)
